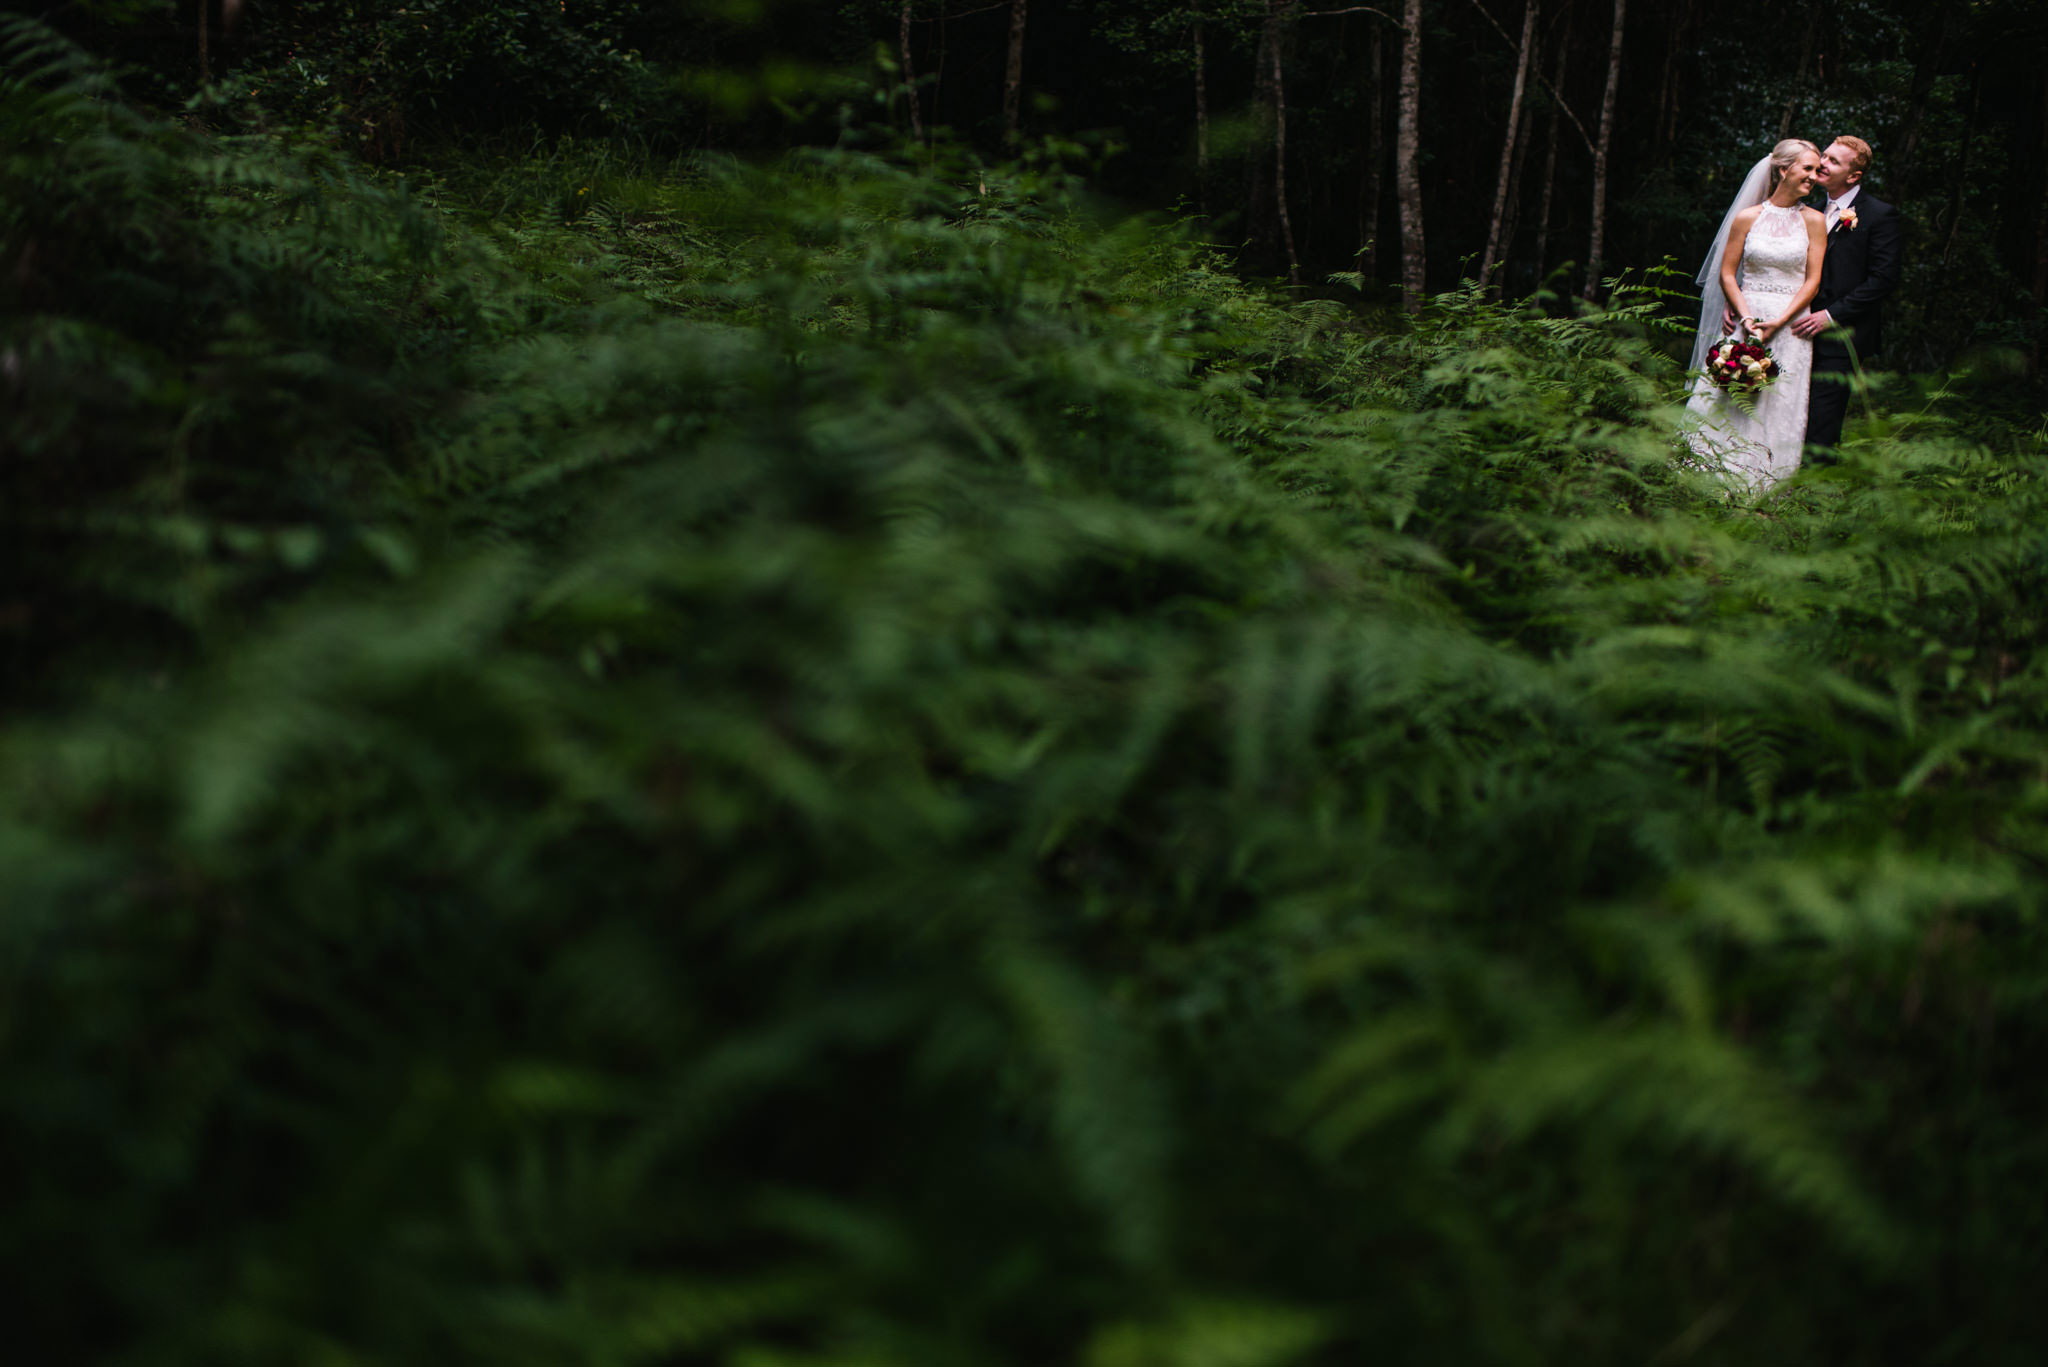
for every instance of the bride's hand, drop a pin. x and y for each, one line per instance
(1765, 331)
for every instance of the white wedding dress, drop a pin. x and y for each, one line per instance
(1760, 445)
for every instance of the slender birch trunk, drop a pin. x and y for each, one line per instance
(1512, 220)
(1507, 146)
(1593, 256)
(1013, 75)
(909, 75)
(1407, 158)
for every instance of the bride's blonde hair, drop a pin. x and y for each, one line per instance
(1782, 157)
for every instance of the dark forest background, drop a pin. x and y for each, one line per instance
(1180, 105)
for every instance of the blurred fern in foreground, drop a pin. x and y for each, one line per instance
(905, 775)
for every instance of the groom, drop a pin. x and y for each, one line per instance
(1861, 267)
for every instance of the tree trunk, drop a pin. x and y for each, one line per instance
(1375, 159)
(205, 63)
(909, 76)
(1564, 48)
(1201, 123)
(1013, 75)
(1805, 67)
(1407, 158)
(1284, 9)
(1514, 214)
(1593, 255)
(1507, 147)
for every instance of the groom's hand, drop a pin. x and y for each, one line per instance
(1813, 324)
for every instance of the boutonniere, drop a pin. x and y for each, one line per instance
(1847, 222)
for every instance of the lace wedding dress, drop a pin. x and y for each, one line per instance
(1759, 444)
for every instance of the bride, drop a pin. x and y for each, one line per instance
(1761, 274)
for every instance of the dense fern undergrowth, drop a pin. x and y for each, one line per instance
(850, 764)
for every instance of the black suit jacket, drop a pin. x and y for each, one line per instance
(1861, 267)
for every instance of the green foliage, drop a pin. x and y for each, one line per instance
(1164, 33)
(207, 346)
(897, 773)
(376, 76)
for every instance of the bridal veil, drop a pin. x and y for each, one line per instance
(1713, 299)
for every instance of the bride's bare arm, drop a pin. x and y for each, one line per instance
(1731, 259)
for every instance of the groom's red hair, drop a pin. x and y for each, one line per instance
(1857, 148)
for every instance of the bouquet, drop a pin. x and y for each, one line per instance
(1737, 364)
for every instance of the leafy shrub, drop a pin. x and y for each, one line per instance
(211, 346)
(380, 77)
